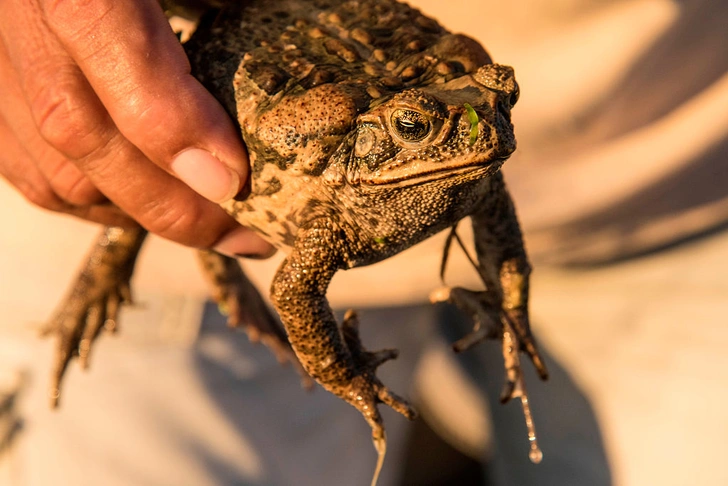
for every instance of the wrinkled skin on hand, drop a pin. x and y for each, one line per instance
(85, 126)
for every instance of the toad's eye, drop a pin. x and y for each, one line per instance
(410, 125)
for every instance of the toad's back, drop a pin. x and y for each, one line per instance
(380, 44)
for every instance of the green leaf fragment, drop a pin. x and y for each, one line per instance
(473, 119)
(380, 240)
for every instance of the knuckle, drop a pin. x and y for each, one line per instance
(145, 119)
(82, 193)
(74, 188)
(64, 121)
(56, 116)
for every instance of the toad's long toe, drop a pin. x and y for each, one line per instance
(366, 391)
(489, 321)
(492, 321)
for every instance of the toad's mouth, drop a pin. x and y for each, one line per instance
(478, 167)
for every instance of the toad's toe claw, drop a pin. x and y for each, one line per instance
(54, 395)
(125, 294)
(535, 356)
(379, 439)
(441, 294)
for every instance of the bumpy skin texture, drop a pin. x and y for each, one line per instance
(369, 128)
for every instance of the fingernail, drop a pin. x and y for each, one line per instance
(252, 256)
(243, 242)
(206, 174)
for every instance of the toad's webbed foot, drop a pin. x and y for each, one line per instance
(94, 302)
(77, 326)
(367, 362)
(491, 321)
(365, 391)
(240, 301)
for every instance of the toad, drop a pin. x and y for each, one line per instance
(369, 128)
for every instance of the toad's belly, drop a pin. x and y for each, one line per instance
(280, 203)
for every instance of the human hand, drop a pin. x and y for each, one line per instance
(99, 107)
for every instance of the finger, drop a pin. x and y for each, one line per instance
(71, 118)
(142, 77)
(66, 180)
(43, 175)
(18, 168)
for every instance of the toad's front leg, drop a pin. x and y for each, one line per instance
(333, 357)
(501, 310)
(505, 270)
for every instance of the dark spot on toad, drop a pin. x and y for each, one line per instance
(317, 77)
(269, 77)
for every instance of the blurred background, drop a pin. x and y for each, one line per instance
(621, 184)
